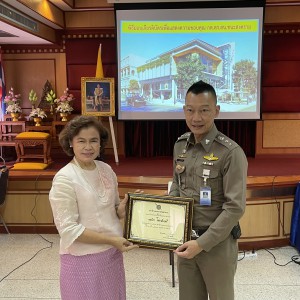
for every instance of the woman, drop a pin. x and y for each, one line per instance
(87, 211)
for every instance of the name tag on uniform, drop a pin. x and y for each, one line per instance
(205, 195)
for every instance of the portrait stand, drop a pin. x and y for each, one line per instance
(98, 99)
(113, 138)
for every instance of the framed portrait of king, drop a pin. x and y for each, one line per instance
(153, 221)
(98, 96)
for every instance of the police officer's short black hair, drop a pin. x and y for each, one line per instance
(200, 87)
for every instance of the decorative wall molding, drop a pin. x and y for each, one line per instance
(281, 29)
(107, 33)
(282, 3)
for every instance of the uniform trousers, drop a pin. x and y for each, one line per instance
(209, 273)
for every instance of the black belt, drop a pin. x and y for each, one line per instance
(235, 232)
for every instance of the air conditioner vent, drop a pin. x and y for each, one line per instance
(6, 34)
(14, 16)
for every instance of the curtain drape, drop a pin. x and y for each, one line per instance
(157, 138)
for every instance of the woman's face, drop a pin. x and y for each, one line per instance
(86, 145)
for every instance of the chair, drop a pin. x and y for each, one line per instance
(295, 222)
(42, 128)
(32, 139)
(8, 132)
(3, 187)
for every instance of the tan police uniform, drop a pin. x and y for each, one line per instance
(219, 163)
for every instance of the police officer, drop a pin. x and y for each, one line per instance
(212, 169)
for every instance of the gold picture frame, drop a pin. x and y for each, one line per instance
(97, 96)
(153, 221)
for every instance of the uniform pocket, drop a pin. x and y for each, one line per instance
(214, 181)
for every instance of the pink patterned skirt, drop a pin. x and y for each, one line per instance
(99, 276)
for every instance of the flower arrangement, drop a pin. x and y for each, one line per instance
(13, 102)
(63, 102)
(50, 97)
(32, 96)
(64, 107)
(37, 113)
(13, 108)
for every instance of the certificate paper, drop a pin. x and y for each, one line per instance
(158, 221)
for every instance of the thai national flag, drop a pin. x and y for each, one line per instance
(2, 89)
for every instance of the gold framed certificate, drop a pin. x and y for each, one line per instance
(153, 221)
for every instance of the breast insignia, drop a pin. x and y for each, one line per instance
(180, 169)
(210, 157)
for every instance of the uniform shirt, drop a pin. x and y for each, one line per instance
(228, 178)
(78, 204)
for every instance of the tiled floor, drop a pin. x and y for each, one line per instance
(148, 272)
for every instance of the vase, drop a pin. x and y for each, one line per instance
(15, 116)
(37, 121)
(64, 116)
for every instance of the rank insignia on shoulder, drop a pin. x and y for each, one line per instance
(210, 157)
(184, 136)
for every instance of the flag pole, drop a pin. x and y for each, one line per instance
(2, 95)
(99, 73)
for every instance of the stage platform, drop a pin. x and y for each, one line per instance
(162, 166)
(271, 186)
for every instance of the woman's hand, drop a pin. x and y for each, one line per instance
(122, 244)
(122, 206)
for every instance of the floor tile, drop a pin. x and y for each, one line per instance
(148, 272)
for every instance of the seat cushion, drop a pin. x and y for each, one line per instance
(29, 166)
(33, 135)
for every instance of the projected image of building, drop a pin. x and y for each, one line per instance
(168, 75)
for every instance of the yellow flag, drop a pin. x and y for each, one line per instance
(99, 69)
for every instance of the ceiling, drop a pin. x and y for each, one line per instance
(10, 34)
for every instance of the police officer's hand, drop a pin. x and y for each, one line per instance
(189, 249)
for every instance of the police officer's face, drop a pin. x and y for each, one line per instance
(200, 111)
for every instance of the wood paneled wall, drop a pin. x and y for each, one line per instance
(76, 58)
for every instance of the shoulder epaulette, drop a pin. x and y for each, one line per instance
(185, 136)
(226, 141)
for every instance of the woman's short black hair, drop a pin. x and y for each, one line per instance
(73, 127)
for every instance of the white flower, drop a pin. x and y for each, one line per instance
(13, 108)
(37, 113)
(64, 107)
